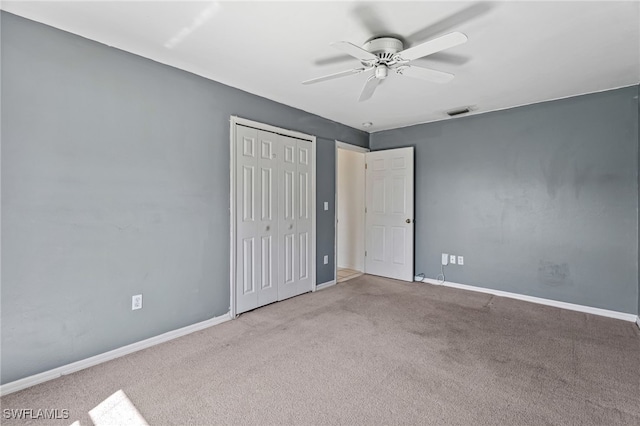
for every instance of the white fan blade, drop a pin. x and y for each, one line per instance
(425, 74)
(353, 50)
(332, 76)
(369, 88)
(432, 46)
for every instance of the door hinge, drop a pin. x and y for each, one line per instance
(365, 209)
(365, 252)
(366, 166)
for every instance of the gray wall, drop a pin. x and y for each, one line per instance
(326, 220)
(541, 200)
(115, 181)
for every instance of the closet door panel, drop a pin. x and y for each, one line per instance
(303, 215)
(248, 267)
(287, 211)
(268, 221)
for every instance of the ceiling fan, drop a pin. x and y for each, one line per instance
(384, 54)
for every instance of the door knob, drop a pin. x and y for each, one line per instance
(408, 220)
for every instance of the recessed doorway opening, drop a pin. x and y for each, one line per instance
(350, 211)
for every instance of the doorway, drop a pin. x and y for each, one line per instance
(374, 212)
(350, 211)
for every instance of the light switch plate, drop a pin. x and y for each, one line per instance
(326, 205)
(326, 259)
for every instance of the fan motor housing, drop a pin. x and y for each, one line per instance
(384, 47)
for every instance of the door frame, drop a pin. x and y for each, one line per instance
(362, 150)
(233, 121)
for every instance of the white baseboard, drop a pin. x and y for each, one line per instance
(539, 300)
(17, 385)
(325, 285)
(353, 268)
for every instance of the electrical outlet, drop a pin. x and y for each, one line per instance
(452, 259)
(136, 302)
(326, 259)
(445, 259)
(460, 260)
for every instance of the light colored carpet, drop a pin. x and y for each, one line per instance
(372, 351)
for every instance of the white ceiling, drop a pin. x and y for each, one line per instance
(518, 52)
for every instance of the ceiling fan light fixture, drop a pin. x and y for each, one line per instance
(381, 54)
(381, 72)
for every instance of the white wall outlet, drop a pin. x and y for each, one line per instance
(452, 259)
(326, 259)
(136, 302)
(445, 259)
(460, 260)
(326, 205)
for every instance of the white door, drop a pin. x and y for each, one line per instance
(256, 218)
(295, 217)
(389, 213)
(274, 217)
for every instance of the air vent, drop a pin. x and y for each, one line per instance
(455, 112)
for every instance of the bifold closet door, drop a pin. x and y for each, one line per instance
(256, 218)
(273, 217)
(295, 222)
